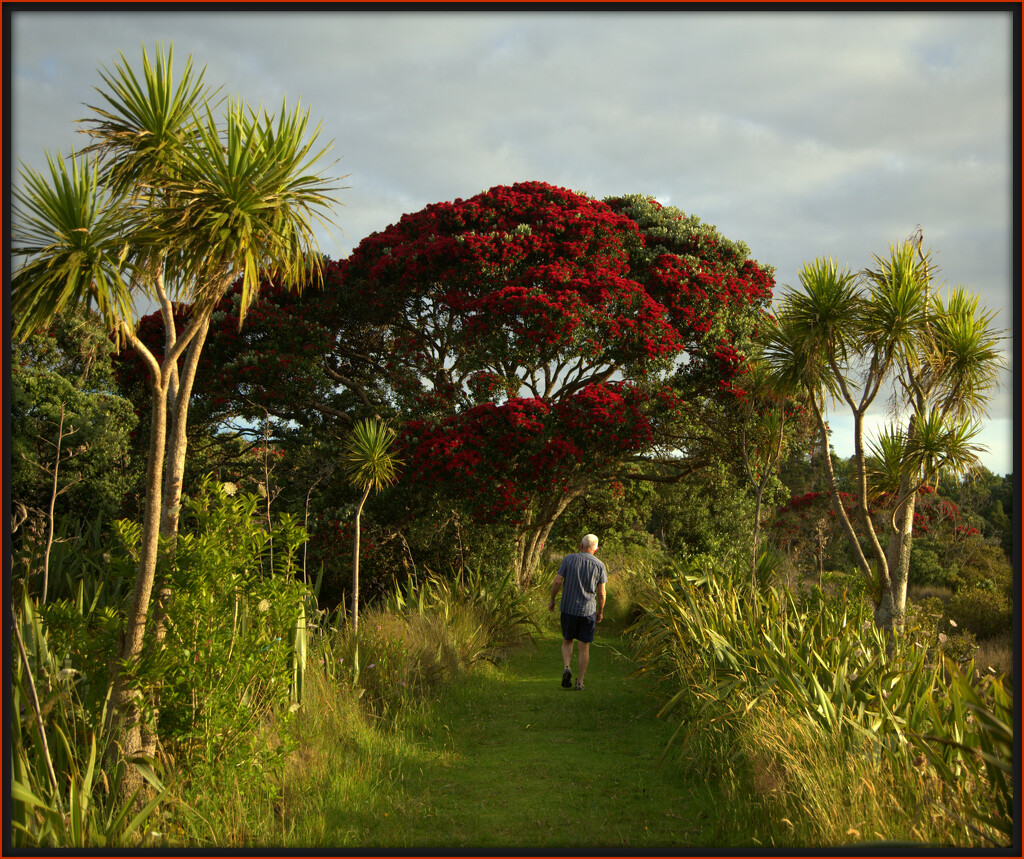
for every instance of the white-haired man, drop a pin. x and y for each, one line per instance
(581, 578)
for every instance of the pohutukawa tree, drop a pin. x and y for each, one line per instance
(844, 338)
(539, 340)
(171, 203)
(529, 341)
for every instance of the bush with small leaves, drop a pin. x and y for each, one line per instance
(983, 611)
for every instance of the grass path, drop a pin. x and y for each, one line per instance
(510, 759)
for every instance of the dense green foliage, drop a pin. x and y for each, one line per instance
(63, 390)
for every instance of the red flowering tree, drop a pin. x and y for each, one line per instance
(539, 340)
(527, 341)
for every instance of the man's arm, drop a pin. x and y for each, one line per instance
(556, 586)
(600, 602)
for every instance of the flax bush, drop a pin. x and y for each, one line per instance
(729, 651)
(61, 794)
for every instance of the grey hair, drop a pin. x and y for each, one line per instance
(589, 542)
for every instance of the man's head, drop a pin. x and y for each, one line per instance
(589, 544)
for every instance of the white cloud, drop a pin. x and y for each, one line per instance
(801, 133)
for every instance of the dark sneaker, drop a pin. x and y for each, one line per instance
(566, 679)
(579, 686)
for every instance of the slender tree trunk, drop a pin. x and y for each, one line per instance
(757, 530)
(837, 504)
(53, 500)
(883, 576)
(355, 564)
(759, 482)
(125, 714)
(894, 616)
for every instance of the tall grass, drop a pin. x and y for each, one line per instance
(61, 794)
(791, 696)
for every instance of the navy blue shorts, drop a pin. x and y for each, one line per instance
(580, 628)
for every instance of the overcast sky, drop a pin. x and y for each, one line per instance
(803, 134)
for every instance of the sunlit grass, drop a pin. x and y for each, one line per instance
(798, 787)
(502, 757)
(423, 737)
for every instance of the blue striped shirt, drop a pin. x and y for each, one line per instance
(582, 573)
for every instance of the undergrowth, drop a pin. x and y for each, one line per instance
(821, 730)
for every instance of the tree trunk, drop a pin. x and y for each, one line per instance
(882, 575)
(178, 394)
(535, 530)
(53, 501)
(355, 564)
(837, 504)
(898, 556)
(757, 531)
(125, 714)
(178, 432)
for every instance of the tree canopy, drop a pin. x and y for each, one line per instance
(529, 341)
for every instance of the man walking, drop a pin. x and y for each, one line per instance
(582, 606)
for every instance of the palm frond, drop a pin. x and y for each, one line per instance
(368, 461)
(945, 445)
(823, 311)
(966, 360)
(147, 122)
(887, 459)
(895, 315)
(246, 202)
(797, 358)
(71, 233)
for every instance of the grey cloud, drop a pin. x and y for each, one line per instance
(803, 134)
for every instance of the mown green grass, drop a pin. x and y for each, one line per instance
(507, 758)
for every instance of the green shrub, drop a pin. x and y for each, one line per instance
(959, 647)
(981, 561)
(236, 628)
(926, 568)
(981, 610)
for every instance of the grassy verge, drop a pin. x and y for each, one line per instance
(507, 758)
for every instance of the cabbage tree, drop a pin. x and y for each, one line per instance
(848, 338)
(171, 203)
(369, 464)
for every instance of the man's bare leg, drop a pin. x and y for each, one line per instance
(582, 661)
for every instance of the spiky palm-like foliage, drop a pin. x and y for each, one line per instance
(171, 203)
(370, 466)
(847, 341)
